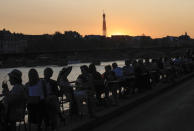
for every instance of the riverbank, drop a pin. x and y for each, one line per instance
(89, 56)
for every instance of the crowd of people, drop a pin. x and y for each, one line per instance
(41, 98)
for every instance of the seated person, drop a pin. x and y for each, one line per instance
(128, 69)
(85, 89)
(97, 82)
(128, 77)
(119, 74)
(117, 70)
(109, 76)
(66, 89)
(63, 82)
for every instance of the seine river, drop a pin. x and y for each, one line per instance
(72, 76)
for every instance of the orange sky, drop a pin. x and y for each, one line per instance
(156, 18)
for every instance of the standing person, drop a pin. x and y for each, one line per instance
(51, 101)
(52, 87)
(14, 100)
(36, 98)
(97, 81)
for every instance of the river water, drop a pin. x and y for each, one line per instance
(72, 76)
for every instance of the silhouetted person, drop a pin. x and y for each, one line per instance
(128, 76)
(67, 89)
(36, 101)
(140, 81)
(51, 101)
(14, 100)
(119, 74)
(117, 70)
(97, 81)
(85, 89)
(109, 76)
(128, 69)
(52, 87)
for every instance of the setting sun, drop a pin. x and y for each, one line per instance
(119, 32)
(116, 33)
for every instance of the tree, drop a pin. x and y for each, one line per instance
(72, 35)
(58, 36)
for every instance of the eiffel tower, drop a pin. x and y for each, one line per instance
(104, 25)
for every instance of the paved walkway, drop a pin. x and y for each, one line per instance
(171, 111)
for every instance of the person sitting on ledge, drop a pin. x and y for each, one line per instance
(97, 82)
(119, 74)
(66, 89)
(85, 90)
(108, 77)
(117, 70)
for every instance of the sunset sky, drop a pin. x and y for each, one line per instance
(156, 18)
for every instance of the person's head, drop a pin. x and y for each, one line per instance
(33, 77)
(114, 65)
(15, 77)
(107, 68)
(92, 68)
(84, 69)
(48, 72)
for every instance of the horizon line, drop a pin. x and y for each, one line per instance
(109, 35)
